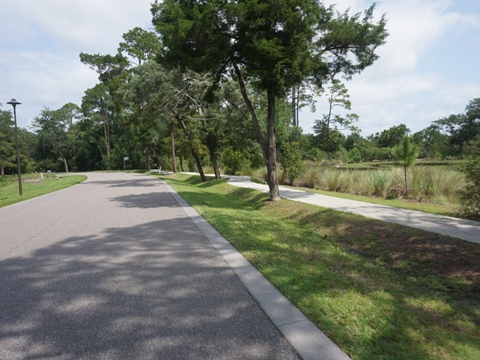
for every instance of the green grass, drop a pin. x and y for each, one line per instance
(439, 209)
(9, 192)
(378, 290)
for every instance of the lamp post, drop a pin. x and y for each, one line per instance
(14, 103)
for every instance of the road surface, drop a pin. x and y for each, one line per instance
(114, 268)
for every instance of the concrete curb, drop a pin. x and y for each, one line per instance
(303, 335)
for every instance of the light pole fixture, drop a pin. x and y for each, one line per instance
(14, 103)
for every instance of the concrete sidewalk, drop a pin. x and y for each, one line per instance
(462, 229)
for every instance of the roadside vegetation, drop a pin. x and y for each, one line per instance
(426, 183)
(378, 290)
(33, 186)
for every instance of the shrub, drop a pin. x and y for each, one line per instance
(470, 195)
(291, 161)
(234, 161)
(3, 181)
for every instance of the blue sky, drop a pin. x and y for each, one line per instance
(428, 68)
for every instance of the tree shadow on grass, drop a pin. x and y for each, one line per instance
(407, 277)
(239, 198)
(384, 313)
(153, 291)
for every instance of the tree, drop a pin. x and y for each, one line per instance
(291, 161)
(470, 195)
(273, 46)
(108, 67)
(7, 144)
(432, 142)
(406, 154)
(99, 106)
(300, 98)
(337, 98)
(140, 45)
(462, 128)
(172, 95)
(392, 136)
(52, 128)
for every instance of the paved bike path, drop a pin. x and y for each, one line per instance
(119, 267)
(459, 228)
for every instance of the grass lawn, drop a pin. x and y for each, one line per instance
(378, 290)
(9, 193)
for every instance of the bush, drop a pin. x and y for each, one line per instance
(3, 181)
(291, 161)
(234, 161)
(314, 154)
(470, 195)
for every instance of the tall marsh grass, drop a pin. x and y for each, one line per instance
(436, 184)
(333, 180)
(380, 183)
(310, 177)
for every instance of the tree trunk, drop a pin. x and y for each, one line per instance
(213, 158)
(160, 160)
(106, 131)
(250, 108)
(181, 163)
(297, 108)
(2, 171)
(147, 158)
(327, 135)
(272, 179)
(406, 183)
(174, 159)
(270, 154)
(194, 152)
(64, 160)
(294, 106)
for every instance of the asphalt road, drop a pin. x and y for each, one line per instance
(114, 268)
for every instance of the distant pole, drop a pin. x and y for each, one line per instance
(14, 103)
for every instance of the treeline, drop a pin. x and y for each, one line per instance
(75, 138)
(221, 87)
(451, 137)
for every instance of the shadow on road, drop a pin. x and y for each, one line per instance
(154, 291)
(137, 182)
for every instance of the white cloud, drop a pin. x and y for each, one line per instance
(370, 91)
(41, 41)
(396, 89)
(39, 54)
(93, 24)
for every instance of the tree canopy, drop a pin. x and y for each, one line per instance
(271, 45)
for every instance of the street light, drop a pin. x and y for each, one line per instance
(14, 103)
